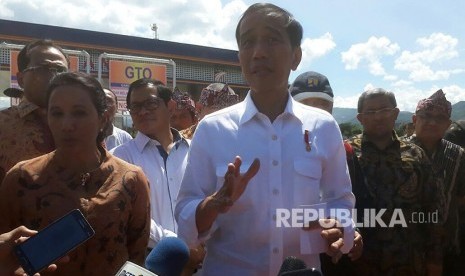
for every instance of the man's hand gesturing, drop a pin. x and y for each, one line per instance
(234, 185)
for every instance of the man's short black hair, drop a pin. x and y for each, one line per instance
(163, 92)
(376, 92)
(24, 56)
(293, 27)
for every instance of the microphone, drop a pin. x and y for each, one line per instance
(296, 267)
(168, 258)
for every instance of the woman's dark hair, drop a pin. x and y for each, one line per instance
(88, 83)
(162, 91)
(293, 28)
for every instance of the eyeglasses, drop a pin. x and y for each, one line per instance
(149, 105)
(385, 112)
(46, 69)
(431, 118)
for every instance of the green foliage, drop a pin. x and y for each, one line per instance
(349, 129)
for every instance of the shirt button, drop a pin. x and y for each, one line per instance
(274, 137)
(275, 163)
(275, 250)
(275, 191)
(274, 217)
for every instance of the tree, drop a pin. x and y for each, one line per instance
(348, 129)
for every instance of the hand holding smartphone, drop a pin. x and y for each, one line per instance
(53, 242)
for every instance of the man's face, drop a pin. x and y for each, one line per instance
(149, 113)
(182, 119)
(44, 64)
(319, 103)
(265, 53)
(431, 125)
(378, 117)
(111, 104)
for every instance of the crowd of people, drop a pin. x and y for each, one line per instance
(214, 173)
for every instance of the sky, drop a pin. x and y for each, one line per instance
(412, 48)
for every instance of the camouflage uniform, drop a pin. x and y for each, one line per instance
(398, 177)
(449, 165)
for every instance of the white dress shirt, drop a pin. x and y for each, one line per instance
(245, 240)
(164, 178)
(117, 137)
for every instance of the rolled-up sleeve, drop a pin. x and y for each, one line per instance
(335, 186)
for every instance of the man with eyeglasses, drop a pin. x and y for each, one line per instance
(158, 149)
(24, 132)
(399, 183)
(431, 121)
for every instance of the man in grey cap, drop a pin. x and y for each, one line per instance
(313, 89)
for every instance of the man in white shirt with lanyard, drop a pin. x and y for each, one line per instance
(284, 156)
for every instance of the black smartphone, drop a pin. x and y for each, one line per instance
(53, 242)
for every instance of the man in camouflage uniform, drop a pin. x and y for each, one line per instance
(431, 120)
(399, 180)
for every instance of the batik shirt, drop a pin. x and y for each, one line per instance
(449, 164)
(23, 135)
(398, 178)
(114, 199)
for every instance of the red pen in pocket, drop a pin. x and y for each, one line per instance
(308, 144)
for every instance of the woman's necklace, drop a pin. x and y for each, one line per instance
(85, 176)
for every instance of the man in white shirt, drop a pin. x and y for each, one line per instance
(233, 207)
(115, 136)
(158, 149)
(161, 152)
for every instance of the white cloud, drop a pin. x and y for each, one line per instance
(402, 83)
(214, 22)
(408, 96)
(351, 101)
(347, 102)
(436, 49)
(313, 48)
(390, 77)
(454, 93)
(371, 53)
(6, 12)
(368, 86)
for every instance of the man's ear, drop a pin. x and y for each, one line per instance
(297, 57)
(360, 118)
(171, 106)
(396, 112)
(19, 77)
(105, 120)
(414, 119)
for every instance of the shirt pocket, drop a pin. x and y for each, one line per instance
(307, 177)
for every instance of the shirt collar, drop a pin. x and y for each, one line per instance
(25, 108)
(440, 146)
(395, 139)
(248, 109)
(143, 140)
